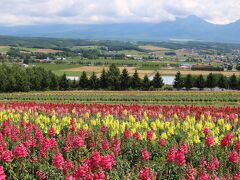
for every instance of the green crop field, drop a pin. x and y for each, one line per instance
(231, 98)
(4, 49)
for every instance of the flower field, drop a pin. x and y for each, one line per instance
(218, 98)
(93, 141)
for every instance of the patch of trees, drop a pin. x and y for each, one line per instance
(211, 81)
(207, 68)
(17, 79)
(113, 79)
(170, 53)
(238, 67)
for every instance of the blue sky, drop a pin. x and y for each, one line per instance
(27, 12)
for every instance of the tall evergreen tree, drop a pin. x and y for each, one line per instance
(64, 83)
(22, 82)
(238, 83)
(211, 81)
(103, 82)
(200, 82)
(93, 81)
(113, 75)
(53, 81)
(83, 81)
(124, 80)
(157, 81)
(31, 76)
(222, 81)
(135, 81)
(36, 79)
(3, 79)
(233, 82)
(45, 79)
(178, 82)
(188, 81)
(74, 84)
(146, 83)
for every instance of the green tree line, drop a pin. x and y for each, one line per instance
(17, 79)
(113, 79)
(211, 81)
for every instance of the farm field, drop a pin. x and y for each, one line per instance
(153, 48)
(46, 51)
(80, 141)
(4, 49)
(151, 68)
(231, 98)
(98, 70)
(185, 72)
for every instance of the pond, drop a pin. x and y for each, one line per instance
(168, 80)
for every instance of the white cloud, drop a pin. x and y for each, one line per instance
(21, 12)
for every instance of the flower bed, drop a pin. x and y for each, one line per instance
(78, 141)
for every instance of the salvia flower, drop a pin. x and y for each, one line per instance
(209, 141)
(127, 134)
(145, 155)
(20, 151)
(145, 174)
(107, 162)
(78, 143)
(171, 153)
(149, 135)
(7, 156)
(180, 158)
(226, 140)
(58, 161)
(41, 175)
(96, 158)
(162, 142)
(233, 157)
(2, 174)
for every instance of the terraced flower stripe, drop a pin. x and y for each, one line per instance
(91, 141)
(127, 97)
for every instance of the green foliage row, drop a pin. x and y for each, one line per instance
(114, 80)
(16, 79)
(212, 81)
(156, 97)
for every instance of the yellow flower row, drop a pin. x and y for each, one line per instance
(190, 130)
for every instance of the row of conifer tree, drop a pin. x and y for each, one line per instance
(16, 79)
(211, 81)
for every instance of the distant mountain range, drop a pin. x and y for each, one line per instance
(191, 28)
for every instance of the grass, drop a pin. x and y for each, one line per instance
(131, 52)
(85, 47)
(59, 69)
(28, 49)
(4, 49)
(153, 48)
(205, 73)
(98, 70)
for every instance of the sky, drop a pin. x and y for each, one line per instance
(28, 12)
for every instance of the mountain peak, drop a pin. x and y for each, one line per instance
(191, 19)
(191, 27)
